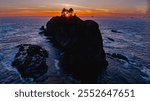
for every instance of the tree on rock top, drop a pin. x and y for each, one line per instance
(67, 13)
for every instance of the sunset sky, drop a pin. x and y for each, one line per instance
(81, 7)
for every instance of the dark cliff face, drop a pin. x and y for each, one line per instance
(82, 45)
(63, 29)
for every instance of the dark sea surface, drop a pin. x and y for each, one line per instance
(132, 40)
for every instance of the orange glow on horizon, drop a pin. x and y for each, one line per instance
(81, 7)
(40, 12)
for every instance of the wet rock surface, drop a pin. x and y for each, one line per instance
(81, 45)
(30, 61)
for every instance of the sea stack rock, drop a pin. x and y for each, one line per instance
(31, 61)
(82, 45)
(42, 30)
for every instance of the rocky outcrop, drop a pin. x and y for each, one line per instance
(30, 61)
(81, 44)
(42, 30)
(110, 39)
(118, 56)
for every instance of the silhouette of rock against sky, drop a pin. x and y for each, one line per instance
(67, 13)
(81, 43)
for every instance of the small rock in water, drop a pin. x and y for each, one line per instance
(31, 61)
(43, 30)
(120, 56)
(111, 39)
(115, 31)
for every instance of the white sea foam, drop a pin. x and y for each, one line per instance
(56, 63)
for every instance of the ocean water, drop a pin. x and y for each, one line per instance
(132, 40)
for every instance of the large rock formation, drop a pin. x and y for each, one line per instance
(31, 61)
(82, 45)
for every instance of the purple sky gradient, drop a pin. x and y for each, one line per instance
(115, 6)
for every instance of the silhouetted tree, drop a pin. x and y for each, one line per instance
(71, 11)
(63, 11)
(67, 13)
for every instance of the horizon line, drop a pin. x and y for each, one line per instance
(118, 15)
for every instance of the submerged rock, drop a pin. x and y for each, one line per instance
(115, 31)
(82, 46)
(30, 61)
(111, 39)
(119, 56)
